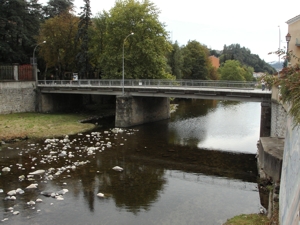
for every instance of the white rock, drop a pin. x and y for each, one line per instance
(32, 186)
(6, 169)
(37, 172)
(101, 195)
(117, 168)
(12, 192)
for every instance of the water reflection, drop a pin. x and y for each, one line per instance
(165, 181)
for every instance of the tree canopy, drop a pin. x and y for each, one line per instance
(60, 49)
(19, 23)
(233, 70)
(195, 61)
(144, 51)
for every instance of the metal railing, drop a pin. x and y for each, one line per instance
(149, 83)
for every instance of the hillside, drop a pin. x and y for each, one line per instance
(245, 57)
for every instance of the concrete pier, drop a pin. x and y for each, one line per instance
(131, 111)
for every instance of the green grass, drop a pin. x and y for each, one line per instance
(38, 125)
(249, 219)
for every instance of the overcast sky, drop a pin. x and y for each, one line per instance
(254, 24)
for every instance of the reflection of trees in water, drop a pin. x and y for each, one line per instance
(229, 104)
(189, 108)
(138, 187)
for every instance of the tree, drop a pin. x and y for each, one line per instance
(175, 61)
(19, 23)
(244, 56)
(83, 37)
(56, 7)
(195, 61)
(60, 49)
(144, 52)
(232, 70)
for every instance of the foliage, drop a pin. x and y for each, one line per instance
(233, 70)
(19, 23)
(289, 83)
(144, 52)
(175, 60)
(251, 219)
(60, 49)
(244, 56)
(195, 61)
(82, 57)
(56, 7)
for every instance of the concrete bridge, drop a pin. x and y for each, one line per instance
(142, 101)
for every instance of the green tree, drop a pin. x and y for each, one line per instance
(232, 70)
(175, 61)
(83, 37)
(195, 61)
(19, 23)
(60, 49)
(144, 52)
(56, 7)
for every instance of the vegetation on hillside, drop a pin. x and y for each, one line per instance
(244, 56)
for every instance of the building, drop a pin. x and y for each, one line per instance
(294, 43)
(214, 61)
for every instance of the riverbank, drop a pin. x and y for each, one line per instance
(20, 126)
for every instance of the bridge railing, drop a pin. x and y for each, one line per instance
(149, 82)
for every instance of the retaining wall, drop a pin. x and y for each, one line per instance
(17, 97)
(289, 198)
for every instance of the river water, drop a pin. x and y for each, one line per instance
(198, 167)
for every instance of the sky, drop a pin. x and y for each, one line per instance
(259, 25)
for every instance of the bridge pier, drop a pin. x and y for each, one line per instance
(131, 111)
(265, 118)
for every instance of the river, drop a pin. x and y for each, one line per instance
(198, 167)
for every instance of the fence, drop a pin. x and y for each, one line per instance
(16, 73)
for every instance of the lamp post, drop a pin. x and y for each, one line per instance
(287, 38)
(279, 49)
(34, 63)
(123, 63)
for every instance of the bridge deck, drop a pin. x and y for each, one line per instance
(241, 91)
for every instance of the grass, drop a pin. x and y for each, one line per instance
(249, 219)
(38, 125)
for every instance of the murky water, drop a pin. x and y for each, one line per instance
(199, 167)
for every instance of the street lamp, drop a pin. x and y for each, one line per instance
(123, 62)
(287, 38)
(35, 64)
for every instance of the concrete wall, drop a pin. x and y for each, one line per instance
(132, 111)
(17, 97)
(278, 120)
(289, 198)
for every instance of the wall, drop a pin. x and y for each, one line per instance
(17, 97)
(294, 31)
(132, 111)
(289, 198)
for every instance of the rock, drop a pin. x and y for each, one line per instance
(37, 172)
(101, 195)
(6, 169)
(31, 186)
(12, 192)
(117, 168)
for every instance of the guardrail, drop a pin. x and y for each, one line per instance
(149, 82)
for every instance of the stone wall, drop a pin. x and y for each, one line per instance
(278, 120)
(17, 97)
(289, 198)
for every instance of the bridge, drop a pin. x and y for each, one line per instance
(147, 100)
(203, 89)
